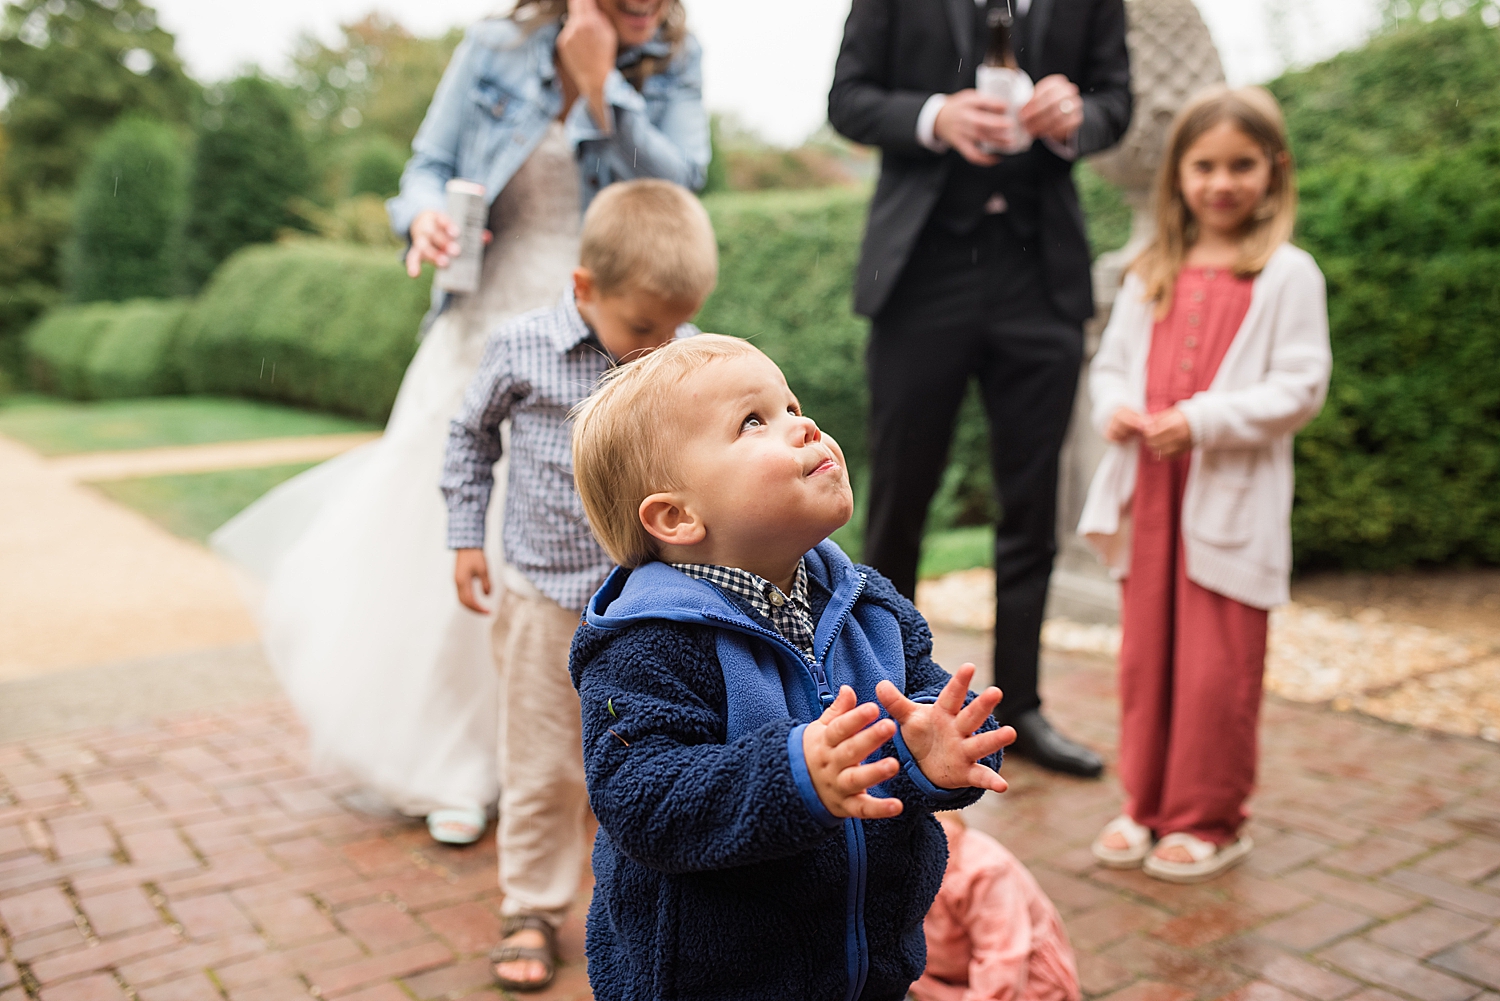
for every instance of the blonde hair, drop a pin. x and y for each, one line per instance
(532, 14)
(621, 436)
(1253, 111)
(652, 236)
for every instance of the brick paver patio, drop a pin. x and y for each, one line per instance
(196, 859)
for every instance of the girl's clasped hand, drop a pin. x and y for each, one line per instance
(1166, 433)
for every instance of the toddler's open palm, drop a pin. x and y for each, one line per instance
(941, 736)
(835, 747)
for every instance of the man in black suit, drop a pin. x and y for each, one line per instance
(976, 265)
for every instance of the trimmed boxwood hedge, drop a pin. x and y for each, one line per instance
(58, 346)
(317, 324)
(108, 350)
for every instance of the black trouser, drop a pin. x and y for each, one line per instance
(974, 306)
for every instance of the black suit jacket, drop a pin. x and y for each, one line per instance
(898, 53)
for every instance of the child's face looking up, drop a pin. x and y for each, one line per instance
(630, 321)
(759, 484)
(1224, 177)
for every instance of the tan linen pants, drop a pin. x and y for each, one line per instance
(542, 833)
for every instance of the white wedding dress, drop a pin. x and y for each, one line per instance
(347, 566)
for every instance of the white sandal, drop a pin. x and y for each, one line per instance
(1208, 859)
(461, 826)
(1138, 843)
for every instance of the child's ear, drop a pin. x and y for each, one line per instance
(584, 289)
(671, 521)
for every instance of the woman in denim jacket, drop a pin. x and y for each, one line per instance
(394, 679)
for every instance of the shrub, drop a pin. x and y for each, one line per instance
(59, 344)
(129, 206)
(318, 324)
(250, 165)
(1403, 465)
(376, 167)
(786, 273)
(108, 350)
(136, 354)
(1421, 88)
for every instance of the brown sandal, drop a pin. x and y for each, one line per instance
(546, 955)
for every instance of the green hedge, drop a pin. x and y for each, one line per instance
(108, 350)
(321, 325)
(786, 271)
(1403, 465)
(58, 347)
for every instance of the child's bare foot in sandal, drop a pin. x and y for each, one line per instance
(526, 959)
(1184, 858)
(1123, 844)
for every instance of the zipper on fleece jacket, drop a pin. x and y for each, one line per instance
(856, 947)
(856, 943)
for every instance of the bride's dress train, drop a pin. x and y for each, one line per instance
(347, 565)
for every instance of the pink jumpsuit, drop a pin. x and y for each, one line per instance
(1191, 660)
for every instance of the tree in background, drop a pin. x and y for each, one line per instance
(250, 168)
(127, 214)
(70, 67)
(374, 85)
(376, 168)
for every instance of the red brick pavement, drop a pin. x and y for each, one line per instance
(198, 859)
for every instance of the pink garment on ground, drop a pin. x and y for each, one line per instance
(992, 934)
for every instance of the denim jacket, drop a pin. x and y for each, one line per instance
(501, 90)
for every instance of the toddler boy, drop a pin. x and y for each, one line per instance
(647, 261)
(765, 830)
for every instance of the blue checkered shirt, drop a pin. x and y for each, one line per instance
(536, 368)
(790, 614)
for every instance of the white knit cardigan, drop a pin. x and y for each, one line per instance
(1236, 512)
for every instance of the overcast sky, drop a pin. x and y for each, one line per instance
(769, 62)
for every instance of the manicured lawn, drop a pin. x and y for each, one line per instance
(63, 427)
(942, 552)
(192, 506)
(958, 549)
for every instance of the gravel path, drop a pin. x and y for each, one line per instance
(94, 467)
(86, 581)
(1431, 678)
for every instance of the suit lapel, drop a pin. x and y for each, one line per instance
(1037, 19)
(961, 22)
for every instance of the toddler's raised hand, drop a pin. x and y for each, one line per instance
(836, 743)
(941, 736)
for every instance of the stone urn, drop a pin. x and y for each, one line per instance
(1172, 60)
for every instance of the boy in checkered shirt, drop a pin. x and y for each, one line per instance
(648, 259)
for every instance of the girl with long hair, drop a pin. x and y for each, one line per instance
(1216, 354)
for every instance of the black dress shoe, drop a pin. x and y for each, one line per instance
(1037, 742)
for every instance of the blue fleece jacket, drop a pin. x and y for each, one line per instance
(719, 874)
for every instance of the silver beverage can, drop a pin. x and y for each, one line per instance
(466, 208)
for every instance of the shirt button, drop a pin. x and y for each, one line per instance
(1191, 342)
(1198, 295)
(1209, 274)
(1193, 319)
(1187, 366)
(775, 597)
